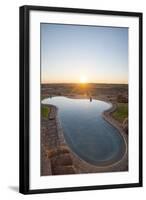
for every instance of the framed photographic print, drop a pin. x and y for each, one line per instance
(80, 99)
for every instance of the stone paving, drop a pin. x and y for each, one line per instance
(55, 156)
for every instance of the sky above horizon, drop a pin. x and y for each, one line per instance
(74, 54)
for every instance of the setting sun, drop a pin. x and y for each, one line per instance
(83, 79)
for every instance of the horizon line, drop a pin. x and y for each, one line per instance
(86, 83)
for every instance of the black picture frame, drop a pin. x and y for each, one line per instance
(24, 98)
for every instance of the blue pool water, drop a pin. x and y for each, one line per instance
(91, 137)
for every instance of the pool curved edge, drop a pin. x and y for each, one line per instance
(83, 166)
(108, 117)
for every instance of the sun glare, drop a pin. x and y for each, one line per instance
(83, 79)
